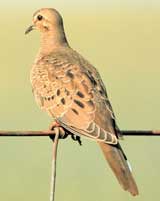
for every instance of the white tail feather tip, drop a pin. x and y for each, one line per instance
(129, 165)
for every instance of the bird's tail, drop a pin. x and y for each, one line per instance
(120, 166)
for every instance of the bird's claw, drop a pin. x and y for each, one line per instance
(76, 138)
(63, 133)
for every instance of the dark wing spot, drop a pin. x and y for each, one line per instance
(91, 78)
(102, 92)
(75, 111)
(67, 92)
(63, 101)
(52, 97)
(49, 99)
(70, 74)
(80, 104)
(80, 94)
(58, 92)
(103, 89)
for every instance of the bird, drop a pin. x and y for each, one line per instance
(70, 89)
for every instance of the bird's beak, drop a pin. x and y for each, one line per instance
(30, 28)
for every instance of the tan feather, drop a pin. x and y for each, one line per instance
(71, 90)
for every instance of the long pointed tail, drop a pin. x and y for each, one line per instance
(118, 163)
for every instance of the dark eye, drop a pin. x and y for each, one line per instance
(39, 17)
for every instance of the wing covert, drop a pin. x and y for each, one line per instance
(73, 94)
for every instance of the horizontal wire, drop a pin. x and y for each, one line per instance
(4, 133)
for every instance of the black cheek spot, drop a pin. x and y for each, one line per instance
(75, 111)
(80, 104)
(63, 101)
(80, 94)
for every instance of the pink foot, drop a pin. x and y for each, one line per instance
(55, 125)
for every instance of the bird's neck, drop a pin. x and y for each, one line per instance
(52, 40)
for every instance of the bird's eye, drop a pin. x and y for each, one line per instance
(39, 17)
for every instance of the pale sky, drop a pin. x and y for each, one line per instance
(82, 3)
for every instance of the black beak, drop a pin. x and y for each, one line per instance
(31, 28)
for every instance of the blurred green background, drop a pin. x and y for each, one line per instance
(122, 39)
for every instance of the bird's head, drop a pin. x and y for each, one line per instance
(45, 19)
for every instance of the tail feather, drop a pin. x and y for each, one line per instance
(118, 163)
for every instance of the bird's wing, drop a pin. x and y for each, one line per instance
(74, 94)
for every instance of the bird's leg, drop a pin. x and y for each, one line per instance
(63, 133)
(56, 126)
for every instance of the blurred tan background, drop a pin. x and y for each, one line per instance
(122, 39)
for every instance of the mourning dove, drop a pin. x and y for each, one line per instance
(71, 90)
